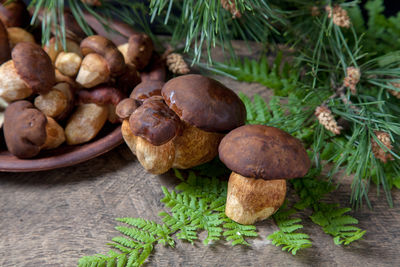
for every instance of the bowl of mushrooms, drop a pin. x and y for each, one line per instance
(58, 102)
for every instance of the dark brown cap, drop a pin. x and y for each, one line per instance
(34, 67)
(107, 49)
(140, 49)
(24, 129)
(156, 70)
(155, 122)
(129, 79)
(204, 103)
(147, 89)
(126, 107)
(14, 13)
(5, 51)
(101, 95)
(259, 151)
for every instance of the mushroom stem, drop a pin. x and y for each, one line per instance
(93, 71)
(250, 200)
(54, 134)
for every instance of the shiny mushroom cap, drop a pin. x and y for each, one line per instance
(259, 151)
(24, 129)
(126, 107)
(155, 122)
(34, 67)
(140, 50)
(147, 89)
(5, 52)
(204, 103)
(107, 49)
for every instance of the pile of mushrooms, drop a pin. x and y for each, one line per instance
(178, 124)
(64, 94)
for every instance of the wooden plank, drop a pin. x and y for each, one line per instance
(52, 218)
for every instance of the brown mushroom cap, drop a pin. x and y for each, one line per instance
(34, 67)
(140, 50)
(259, 151)
(14, 14)
(126, 107)
(73, 30)
(107, 49)
(5, 51)
(156, 70)
(147, 89)
(24, 129)
(204, 103)
(101, 95)
(155, 122)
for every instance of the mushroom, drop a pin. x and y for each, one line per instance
(57, 103)
(138, 50)
(54, 48)
(261, 159)
(154, 127)
(101, 61)
(20, 76)
(103, 95)
(85, 123)
(155, 71)
(18, 35)
(207, 109)
(27, 130)
(147, 89)
(68, 63)
(129, 79)
(5, 51)
(14, 13)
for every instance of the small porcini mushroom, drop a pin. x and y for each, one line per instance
(147, 89)
(5, 51)
(18, 35)
(14, 13)
(209, 109)
(139, 51)
(53, 48)
(261, 159)
(28, 58)
(68, 63)
(103, 95)
(85, 123)
(24, 129)
(152, 129)
(27, 130)
(126, 107)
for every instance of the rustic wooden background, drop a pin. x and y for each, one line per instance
(53, 218)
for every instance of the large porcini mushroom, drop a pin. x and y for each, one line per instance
(20, 76)
(101, 61)
(261, 159)
(27, 130)
(206, 108)
(5, 51)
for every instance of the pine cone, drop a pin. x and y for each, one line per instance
(325, 118)
(230, 5)
(352, 78)
(176, 64)
(395, 93)
(339, 16)
(380, 152)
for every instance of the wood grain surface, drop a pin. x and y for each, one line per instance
(52, 218)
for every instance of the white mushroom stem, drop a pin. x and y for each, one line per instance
(93, 71)
(250, 200)
(68, 63)
(12, 87)
(55, 134)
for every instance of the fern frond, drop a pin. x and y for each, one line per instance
(235, 232)
(334, 222)
(276, 76)
(286, 236)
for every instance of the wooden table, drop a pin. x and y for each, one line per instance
(53, 218)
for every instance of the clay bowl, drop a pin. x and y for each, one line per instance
(109, 138)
